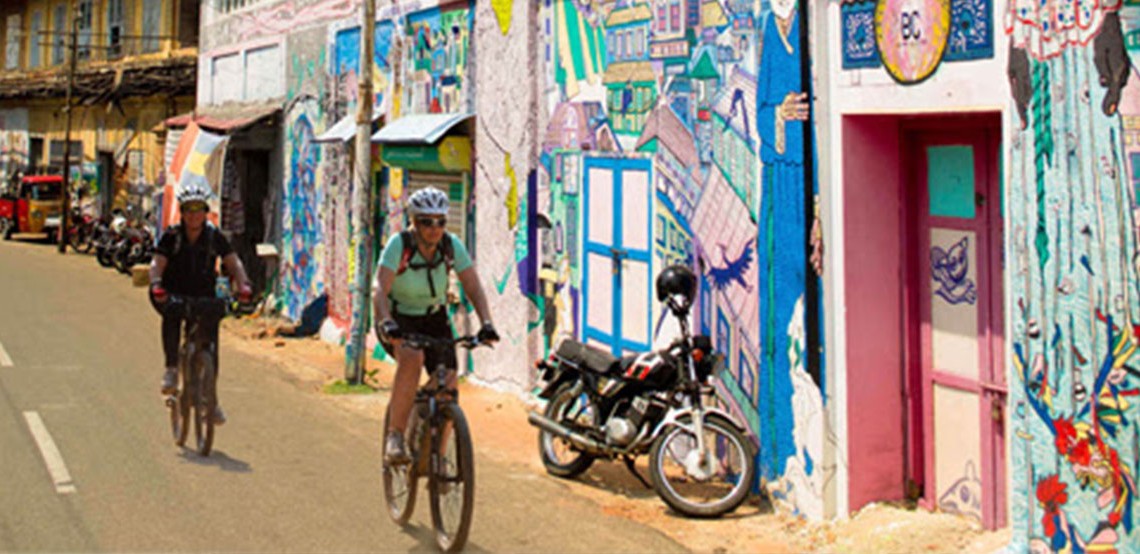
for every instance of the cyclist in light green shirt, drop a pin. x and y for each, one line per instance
(411, 297)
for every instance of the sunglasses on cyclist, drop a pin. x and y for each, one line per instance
(428, 222)
(195, 208)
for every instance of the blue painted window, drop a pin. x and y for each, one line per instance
(706, 307)
(950, 178)
(723, 334)
(746, 377)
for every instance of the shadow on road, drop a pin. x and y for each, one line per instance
(426, 538)
(218, 459)
(613, 477)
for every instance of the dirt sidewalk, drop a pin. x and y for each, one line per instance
(500, 430)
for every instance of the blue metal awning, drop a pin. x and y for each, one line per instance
(419, 129)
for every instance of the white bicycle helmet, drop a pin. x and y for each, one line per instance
(429, 201)
(194, 192)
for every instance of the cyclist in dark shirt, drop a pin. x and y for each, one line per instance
(184, 264)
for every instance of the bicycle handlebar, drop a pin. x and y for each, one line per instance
(423, 342)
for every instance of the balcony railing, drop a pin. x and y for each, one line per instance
(101, 48)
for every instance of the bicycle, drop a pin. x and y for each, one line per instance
(197, 370)
(450, 468)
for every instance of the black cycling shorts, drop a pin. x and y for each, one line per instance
(436, 325)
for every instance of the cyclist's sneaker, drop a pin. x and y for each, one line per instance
(170, 380)
(219, 416)
(394, 452)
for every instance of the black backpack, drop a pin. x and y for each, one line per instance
(207, 235)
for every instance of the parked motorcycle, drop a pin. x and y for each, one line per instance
(81, 231)
(108, 236)
(700, 461)
(135, 247)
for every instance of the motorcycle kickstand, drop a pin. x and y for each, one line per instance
(632, 469)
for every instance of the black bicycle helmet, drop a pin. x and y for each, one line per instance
(677, 280)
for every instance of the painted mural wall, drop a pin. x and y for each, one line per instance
(296, 51)
(507, 136)
(1073, 269)
(693, 111)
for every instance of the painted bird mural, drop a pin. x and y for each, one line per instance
(733, 270)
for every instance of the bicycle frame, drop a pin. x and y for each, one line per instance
(436, 393)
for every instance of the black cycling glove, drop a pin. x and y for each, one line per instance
(389, 329)
(488, 334)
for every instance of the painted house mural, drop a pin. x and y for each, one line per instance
(709, 168)
(1075, 428)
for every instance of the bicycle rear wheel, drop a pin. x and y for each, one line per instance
(400, 481)
(204, 402)
(452, 482)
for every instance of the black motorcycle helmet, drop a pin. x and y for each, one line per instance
(677, 280)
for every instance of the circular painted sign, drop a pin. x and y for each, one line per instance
(912, 36)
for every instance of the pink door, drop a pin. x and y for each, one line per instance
(957, 371)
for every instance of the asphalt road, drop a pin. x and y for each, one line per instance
(290, 472)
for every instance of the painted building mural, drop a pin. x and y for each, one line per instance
(304, 229)
(693, 111)
(1072, 207)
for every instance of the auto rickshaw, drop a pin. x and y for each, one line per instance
(35, 207)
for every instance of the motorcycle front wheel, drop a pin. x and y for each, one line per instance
(570, 408)
(711, 487)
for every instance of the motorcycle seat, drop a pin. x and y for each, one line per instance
(588, 357)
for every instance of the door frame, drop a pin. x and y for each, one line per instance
(983, 131)
(617, 167)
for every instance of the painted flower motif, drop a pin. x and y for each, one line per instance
(1070, 444)
(1052, 493)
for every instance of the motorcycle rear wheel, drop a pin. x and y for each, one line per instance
(561, 458)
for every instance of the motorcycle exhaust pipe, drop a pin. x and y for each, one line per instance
(551, 426)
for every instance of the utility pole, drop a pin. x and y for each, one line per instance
(355, 353)
(73, 60)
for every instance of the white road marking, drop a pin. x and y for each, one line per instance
(52, 457)
(5, 360)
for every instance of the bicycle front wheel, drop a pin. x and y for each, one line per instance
(205, 401)
(452, 483)
(400, 480)
(179, 404)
